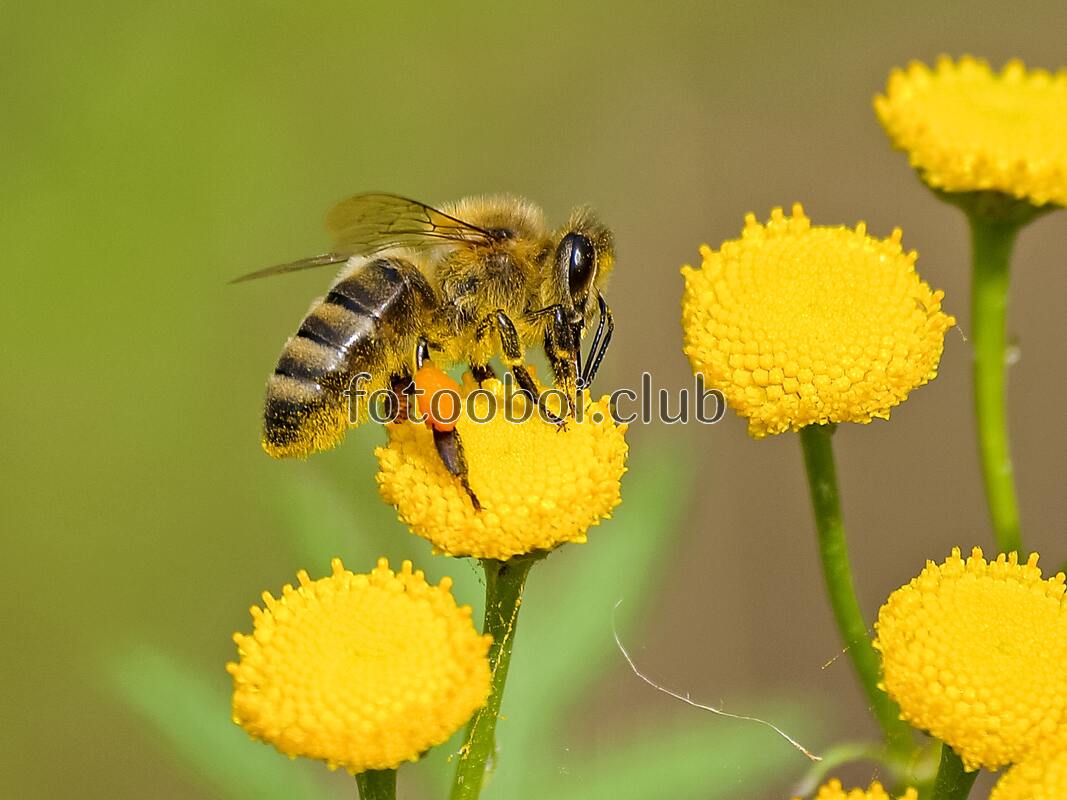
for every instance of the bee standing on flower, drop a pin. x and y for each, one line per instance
(481, 277)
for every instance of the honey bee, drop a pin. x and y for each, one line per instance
(481, 277)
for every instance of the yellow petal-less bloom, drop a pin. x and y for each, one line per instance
(538, 486)
(967, 128)
(1042, 775)
(835, 791)
(975, 652)
(799, 324)
(362, 671)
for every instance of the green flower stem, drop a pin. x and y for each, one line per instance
(952, 782)
(377, 784)
(504, 581)
(822, 481)
(991, 243)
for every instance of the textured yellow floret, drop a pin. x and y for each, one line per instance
(1041, 776)
(967, 128)
(539, 486)
(834, 791)
(798, 324)
(362, 671)
(975, 652)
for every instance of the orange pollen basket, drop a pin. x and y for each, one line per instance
(439, 398)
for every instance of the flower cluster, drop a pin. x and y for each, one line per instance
(539, 485)
(362, 671)
(975, 652)
(967, 128)
(799, 324)
(369, 671)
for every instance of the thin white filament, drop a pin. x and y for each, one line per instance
(689, 701)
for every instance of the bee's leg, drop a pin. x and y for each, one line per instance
(402, 384)
(562, 348)
(511, 347)
(482, 372)
(422, 352)
(527, 384)
(601, 339)
(446, 440)
(450, 449)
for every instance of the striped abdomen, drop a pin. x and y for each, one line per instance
(369, 322)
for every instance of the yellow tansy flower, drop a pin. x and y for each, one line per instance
(538, 485)
(362, 671)
(975, 652)
(799, 324)
(1042, 775)
(967, 128)
(834, 791)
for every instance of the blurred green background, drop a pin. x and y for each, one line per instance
(151, 151)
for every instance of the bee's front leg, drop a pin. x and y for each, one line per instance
(563, 350)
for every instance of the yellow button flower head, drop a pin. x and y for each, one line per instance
(538, 486)
(1042, 775)
(966, 128)
(834, 791)
(975, 652)
(363, 671)
(798, 324)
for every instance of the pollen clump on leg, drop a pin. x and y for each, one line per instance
(799, 324)
(363, 671)
(539, 484)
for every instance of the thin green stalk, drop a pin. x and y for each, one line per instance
(837, 572)
(995, 220)
(377, 784)
(991, 243)
(952, 782)
(504, 581)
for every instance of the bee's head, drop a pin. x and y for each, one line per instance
(584, 258)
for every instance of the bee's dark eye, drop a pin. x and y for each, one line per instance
(576, 252)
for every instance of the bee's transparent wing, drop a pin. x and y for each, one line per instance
(369, 223)
(294, 266)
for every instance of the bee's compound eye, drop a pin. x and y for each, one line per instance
(580, 257)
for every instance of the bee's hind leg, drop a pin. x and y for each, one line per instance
(445, 437)
(422, 352)
(402, 386)
(450, 449)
